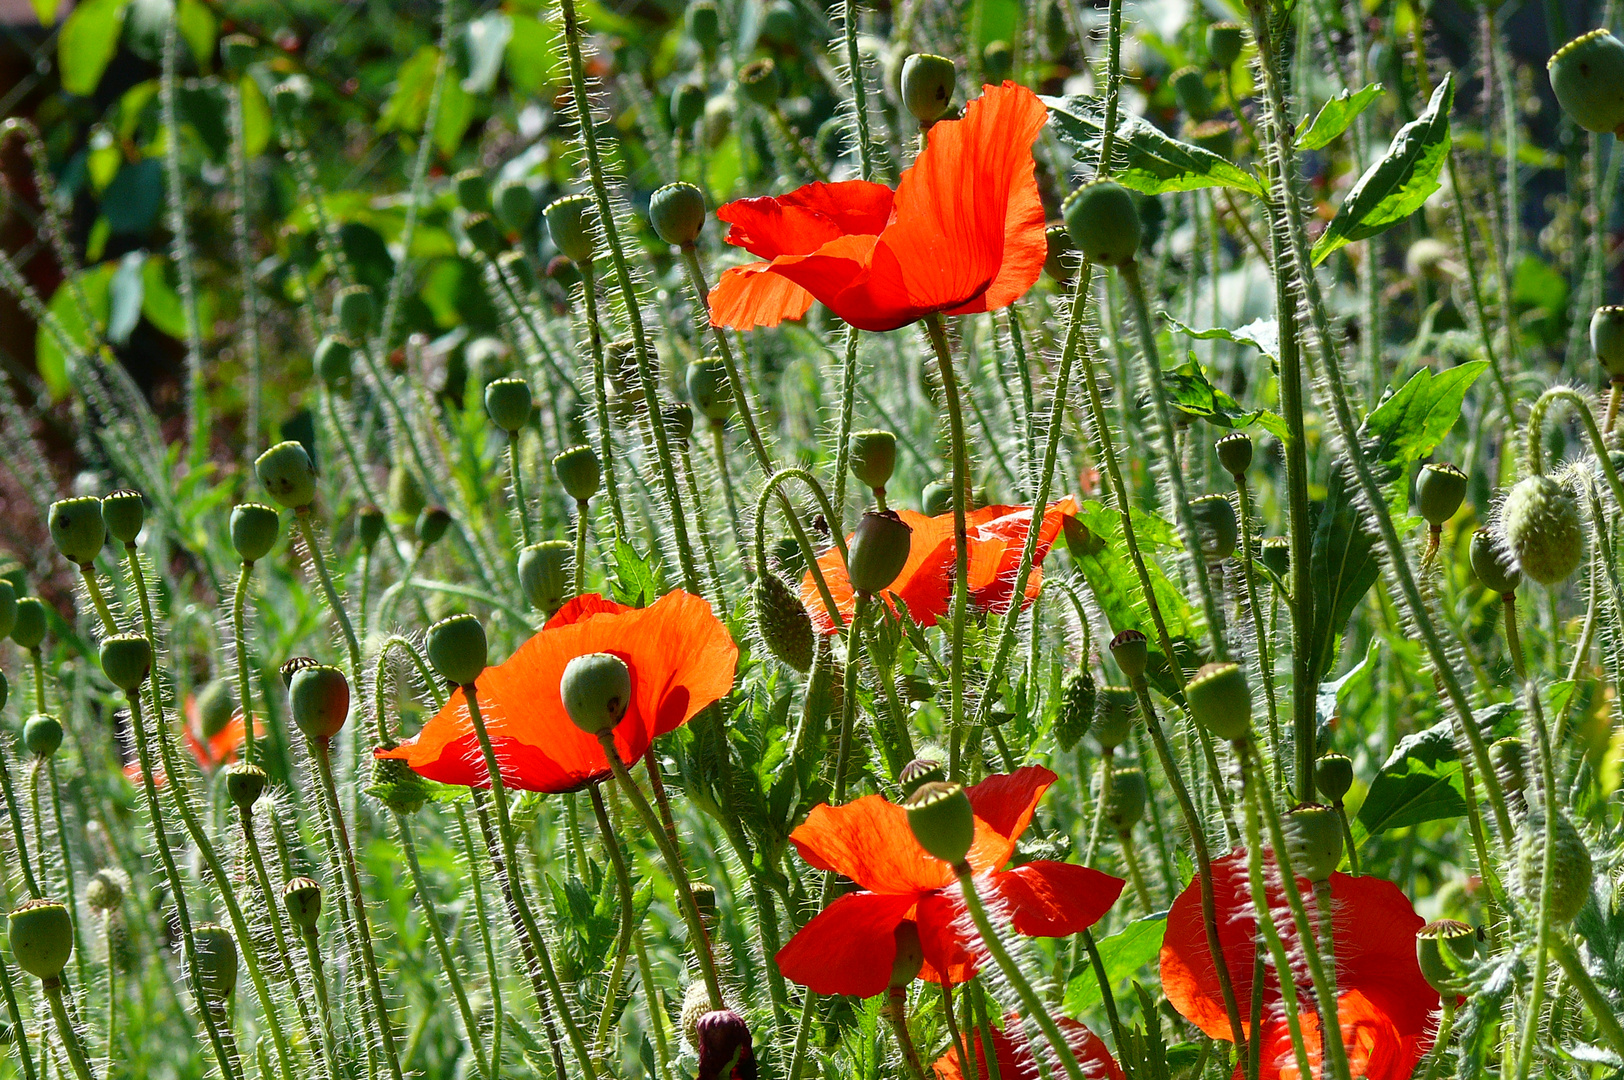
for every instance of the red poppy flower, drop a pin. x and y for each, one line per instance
(133, 773)
(997, 535)
(1016, 1060)
(849, 947)
(962, 233)
(681, 658)
(213, 751)
(1384, 1005)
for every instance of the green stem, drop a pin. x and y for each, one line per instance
(706, 543)
(16, 1015)
(69, 889)
(318, 978)
(600, 402)
(628, 924)
(482, 918)
(239, 597)
(896, 1011)
(961, 542)
(64, 1028)
(719, 449)
(1265, 657)
(520, 507)
(335, 604)
(1601, 1009)
(1440, 1048)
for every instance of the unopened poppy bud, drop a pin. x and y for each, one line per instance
(237, 52)
(397, 786)
(1333, 776)
(1492, 564)
(1055, 263)
(873, 456)
(288, 474)
(997, 61)
(8, 608)
(1077, 698)
(105, 890)
(1114, 710)
(484, 234)
(42, 735)
(704, 894)
(333, 361)
(597, 691)
(1220, 701)
(919, 772)
(1235, 452)
(41, 934)
(254, 528)
(704, 24)
(758, 82)
(878, 551)
(569, 223)
(355, 309)
(1440, 488)
(1217, 529)
(1131, 650)
(579, 472)
(1573, 873)
(319, 697)
(1190, 88)
(216, 705)
(1510, 760)
(677, 212)
(1543, 531)
(29, 622)
(936, 498)
(1443, 951)
(457, 649)
(544, 574)
(1587, 75)
(245, 783)
(927, 86)
(124, 512)
(695, 1003)
(302, 898)
(1104, 223)
(216, 952)
(431, 525)
(77, 529)
(942, 821)
(1314, 840)
(780, 23)
(679, 420)
(473, 191)
(783, 622)
(514, 203)
(1276, 555)
(709, 388)
(125, 660)
(293, 665)
(1607, 340)
(1126, 805)
(687, 105)
(910, 956)
(1224, 41)
(369, 526)
(724, 1045)
(509, 404)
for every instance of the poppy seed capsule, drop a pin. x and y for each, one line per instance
(457, 649)
(1076, 715)
(1492, 565)
(288, 474)
(1125, 806)
(1443, 949)
(41, 934)
(1572, 874)
(369, 526)
(237, 52)
(942, 820)
(517, 265)
(1217, 529)
(333, 361)
(1607, 340)
(77, 529)
(508, 402)
(431, 525)
(355, 309)
(1276, 555)
(319, 697)
(1333, 776)
(293, 665)
(579, 472)
(514, 204)
(28, 622)
(1224, 41)
(125, 660)
(780, 23)
(544, 574)
(758, 82)
(1190, 88)
(1131, 650)
(124, 512)
(927, 86)
(1540, 521)
(569, 224)
(1220, 701)
(302, 898)
(709, 389)
(1235, 452)
(997, 61)
(105, 890)
(910, 956)
(1113, 716)
(42, 735)
(783, 622)
(873, 456)
(1055, 263)
(473, 191)
(597, 690)
(1440, 488)
(704, 24)
(484, 234)
(679, 420)
(216, 705)
(919, 772)
(1314, 840)
(245, 783)
(687, 105)
(254, 527)
(8, 608)
(289, 99)
(1587, 75)
(216, 952)
(936, 498)
(1104, 223)
(878, 551)
(677, 212)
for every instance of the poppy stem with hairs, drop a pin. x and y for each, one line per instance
(896, 1011)
(955, 1036)
(1098, 828)
(64, 1027)
(600, 402)
(937, 333)
(88, 572)
(1440, 1047)
(307, 531)
(1544, 932)
(1265, 651)
(848, 709)
(516, 480)
(707, 542)
(582, 515)
(989, 1052)
(1519, 663)
(239, 653)
(628, 923)
(673, 864)
(1601, 1009)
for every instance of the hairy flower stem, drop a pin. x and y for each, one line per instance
(628, 921)
(318, 978)
(961, 540)
(71, 1043)
(487, 943)
(12, 1010)
(718, 429)
(1601, 1008)
(848, 369)
(1580, 404)
(1265, 653)
(1544, 931)
(707, 543)
(70, 893)
(307, 532)
(896, 1011)
(521, 509)
(600, 395)
(239, 652)
(1100, 803)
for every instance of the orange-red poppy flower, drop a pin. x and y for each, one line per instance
(962, 233)
(1384, 1005)
(213, 751)
(997, 535)
(849, 947)
(133, 773)
(1016, 1055)
(681, 659)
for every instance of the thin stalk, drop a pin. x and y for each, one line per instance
(71, 1042)
(600, 403)
(1440, 1047)
(239, 652)
(482, 919)
(1265, 657)
(1601, 1009)
(706, 543)
(318, 977)
(336, 605)
(628, 924)
(961, 542)
(719, 449)
(896, 1011)
(16, 1015)
(520, 508)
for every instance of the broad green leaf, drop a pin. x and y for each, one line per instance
(1421, 780)
(199, 29)
(531, 61)
(1193, 393)
(256, 118)
(1344, 565)
(1123, 955)
(87, 43)
(45, 12)
(1146, 159)
(1407, 425)
(1333, 119)
(125, 294)
(161, 303)
(638, 580)
(53, 365)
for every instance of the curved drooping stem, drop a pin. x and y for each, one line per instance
(771, 489)
(1534, 444)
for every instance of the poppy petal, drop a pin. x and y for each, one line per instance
(848, 947)
(857, 277)
(807, 218)
(755, 295)
(1055, 899)
(923, 583)
(947, 937)
(1189, 976)
(1378, 1049)
(869, 841)
(1004, 804)
(995, 552)
(1014, 1053)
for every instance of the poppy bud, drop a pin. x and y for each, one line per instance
(1492, 564)
(1314, 840)
(1103, 222)
(1217, 530)
(302, 898)
(369, 526)
(569, 224)
(77, 529)
(1224, 41)
(758, 82)
(42, 735)
(105, 890)
(484, 234)
(332, 361)
(704, 901)
(597, 690)
(873, 456)
(780, 23)
(783, 622)
(679, 420)
(1055, 263)
(1235, 452)
(319, 697)
(704, 24)
(431, 525)
(41, 937)
(997, 61)
(910, 956)
(508, 403)
(709, 388)
(516, 265)
(1443, 949)
(1540, 521)
(942, 821)
(288, 474)
(8, 608)
(1510, 760)
(1333, 775)
(457, 649)
(293, 665)
(1220, 701)
(237, 52)
(878, 551)
(1113, 716)
(1573, 873)
(125, 660)
(919, 772)
(216, 952)
(1126, 805)
(687, 105)
(1190, 88)
(1607, 340)
(1077, 699)
(254, 527)
(514, 204)
(1439, 490)
(355, 309)
(28, 625)
(400, 789)
(245, 783)
(677, 212)
(927, 86)
(1587, 75)
(937, 498)
(473, 191)
(124, 512)
(1276, 555)
(544, 574)
(1131, 650)
(578, 470)
(724, 1046)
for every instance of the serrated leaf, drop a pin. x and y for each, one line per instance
(1421, 779)
(1413, 420)
(638, 581)
(1146, 159)
(1344, 568)
(1123, 955)
(1335, 116)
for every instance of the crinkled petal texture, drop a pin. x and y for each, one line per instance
(962, 234)
(681, 659)
(1016, 1054)
(1385, 1005)
(996, 536)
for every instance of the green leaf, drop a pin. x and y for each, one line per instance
(1344, 568)
(1421, 780)
(1123, 955)
(408, 105)
(1151, 161)
(53, 364)
(199, 29)
(87, 44)
(1333, 119)
(638, 580)
(531, 60)
(1194, 394)
(256, 118)
(488, 38)
(1409, 423)
(1261, 334)
(126, 293)
(1395, 187)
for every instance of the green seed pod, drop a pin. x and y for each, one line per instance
(873, 457)
(709, 388)
(910, 956)
(704, 24)
(319, 698)
(431, 525)
(1055, 263)
(679, 420)
(125, 660)
(919, 772)
(1492, 564)
(1131, 650)
(1440, 488)
(104, 891)
(254, 527)
(687, 105)
(783, 622)
(1276, 555)
(1314, 840)
(473, 191)
(355, 309)
(695, 1004)
(288, 474)
(508, 403)
(124, 512)
(677, 212)
(942, 820)
(704, 895)
(484, 234)
(1510, 760)
(1104, 223)
(8, 608)
(569, 223)
(1333, 776)
(928, 82)
(579, 472)
(1224, 41)
(1235, 452)
(334, 361)
(77, 529)
(1571, 880)
(997, 61)
(937, 498)
(597, 691)
(1444, 950)
(1541, 524)
(42, 735)
(369, 524)
(1607, 340)
(1217, 528)
(237, 52)
(517, 266)
(400, 789)
(302, 898)
(758, 82)
(1125, 806)
(544, 574)
(1190, 88)
(405, 497)
(514, 204)
(878, 551)
(1220, 701)
(29, 623)
(717, 122)
(41, 938)
(1588, 76)
(245, 783)
(1114, 711)
(781, 23)
(1215, 136)
(457, 649)
(1077, 699)
(216, 952)
(216, 705)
